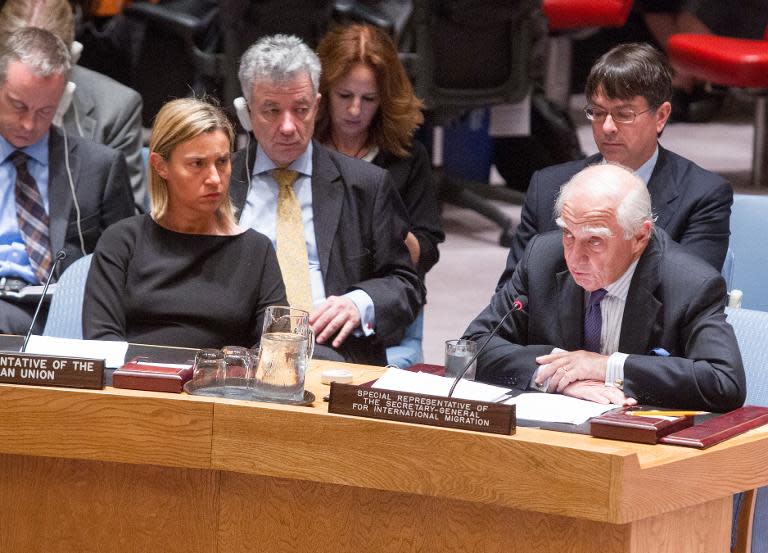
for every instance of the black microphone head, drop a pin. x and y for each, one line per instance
(61, 254)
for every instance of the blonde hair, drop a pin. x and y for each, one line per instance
(179, 121)
(54, 16)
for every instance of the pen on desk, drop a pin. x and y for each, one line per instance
(652, 413)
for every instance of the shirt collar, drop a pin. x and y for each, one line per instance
(620, 287)
(302, 164)
(37, 151)
(646, 169)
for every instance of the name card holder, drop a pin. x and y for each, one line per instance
(447, 412)
(43, 370)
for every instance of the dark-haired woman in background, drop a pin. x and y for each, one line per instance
(186, 275)
(368, 110)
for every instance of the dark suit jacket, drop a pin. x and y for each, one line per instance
(675, 302)
(360, 226)
(109, 113)
(693, 206)
(104, 196)
(412, 178)
(102, 188)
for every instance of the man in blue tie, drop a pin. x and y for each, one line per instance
(616, 311)
(56, 191)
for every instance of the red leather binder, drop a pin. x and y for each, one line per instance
(717, 429)
(619, 425)
(140, 375)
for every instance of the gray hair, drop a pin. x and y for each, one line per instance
(40, 50)
(278, 58)
(634, 208)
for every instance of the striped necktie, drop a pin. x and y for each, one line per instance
(32, 217)
(291, 244)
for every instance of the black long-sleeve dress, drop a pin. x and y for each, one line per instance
(151, 285)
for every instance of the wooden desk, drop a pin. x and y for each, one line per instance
(128, 471)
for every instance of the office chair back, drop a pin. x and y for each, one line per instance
(751, 328)
(500, 36)
(747, 225)
(65, 316)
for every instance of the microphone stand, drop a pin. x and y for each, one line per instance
(517, 305)
(61, 254)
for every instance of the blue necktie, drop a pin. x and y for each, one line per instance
(593, 321)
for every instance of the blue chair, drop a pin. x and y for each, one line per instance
(408, 352)
(751, 328)
(748, 218)
(65, 316)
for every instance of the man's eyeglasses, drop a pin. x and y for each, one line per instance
(624, 116)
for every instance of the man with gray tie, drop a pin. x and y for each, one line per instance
(57, 191)
(616, 311)
(336, 222)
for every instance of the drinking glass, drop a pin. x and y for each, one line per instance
(237, 368)
(287, 342)
(209, 369)
(457, 355)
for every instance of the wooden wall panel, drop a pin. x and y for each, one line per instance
(69, 506)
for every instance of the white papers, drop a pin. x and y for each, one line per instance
(531, 406)
(112, 352)
(538, 406)
(425, 383)
(165, 365)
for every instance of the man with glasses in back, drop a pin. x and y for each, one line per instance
(629, 90)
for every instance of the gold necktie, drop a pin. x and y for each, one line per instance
(291, 245)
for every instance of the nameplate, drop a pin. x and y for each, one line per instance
(479, 416)
(43, 370)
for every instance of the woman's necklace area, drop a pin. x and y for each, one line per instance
(360, 153)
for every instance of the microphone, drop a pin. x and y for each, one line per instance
(517, 305)
(61, 254)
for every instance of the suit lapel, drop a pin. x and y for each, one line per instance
(327, 200)
(642, 306)
(663, 188)
(571, 301)
(59, 193)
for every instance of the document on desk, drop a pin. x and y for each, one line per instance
(540, 406)
(112, 352)
(399, 380)
(531, 406)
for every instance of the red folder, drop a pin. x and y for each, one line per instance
(632, 428)
(717, 429)
(137, 375)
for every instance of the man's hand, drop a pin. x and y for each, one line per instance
(597, 391)
(566, 367)
(337, 316)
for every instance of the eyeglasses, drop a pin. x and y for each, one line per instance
(623, 116)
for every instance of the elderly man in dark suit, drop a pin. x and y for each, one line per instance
(629, 91)
(336, 222)
(616, 312)
(61, 191)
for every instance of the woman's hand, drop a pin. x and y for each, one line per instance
(414, 248)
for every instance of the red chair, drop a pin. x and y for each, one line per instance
(570, 18)
(736, 62)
